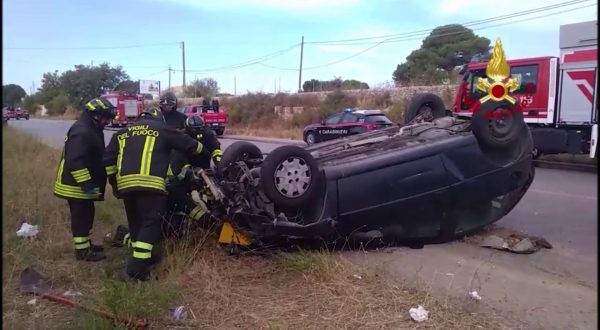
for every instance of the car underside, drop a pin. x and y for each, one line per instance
(425, 182)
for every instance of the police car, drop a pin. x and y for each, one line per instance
(345, 123)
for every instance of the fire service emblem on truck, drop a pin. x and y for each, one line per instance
(499, 72)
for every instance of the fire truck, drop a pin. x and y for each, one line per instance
(129, 106)
(557, 94)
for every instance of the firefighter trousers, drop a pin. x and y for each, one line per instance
(145, 213)
(82, 220)
(181, 209)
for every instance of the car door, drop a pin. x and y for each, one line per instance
(328, 130)
(350, 125)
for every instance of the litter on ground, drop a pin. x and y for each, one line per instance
(475, 295)
(419, 314)
(27, 230)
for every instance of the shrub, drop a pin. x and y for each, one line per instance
(58, 104)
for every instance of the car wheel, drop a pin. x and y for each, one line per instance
(424, 107)
(220, 132)
(311, 138)
(289, 176)
(238, 151)
(496, 125)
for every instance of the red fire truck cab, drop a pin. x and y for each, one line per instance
(211, 112)
(557, 93)
(128, 105)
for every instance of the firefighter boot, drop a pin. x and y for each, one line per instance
(122, 237)
(139, 269)
(96, 248)
(88, 254)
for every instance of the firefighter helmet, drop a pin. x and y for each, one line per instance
(152, 113)
(168, 99)
(194, 125)
(102, 107)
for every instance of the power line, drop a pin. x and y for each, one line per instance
(477, 22)
(93, 48)
(246, 63)
(396, 39)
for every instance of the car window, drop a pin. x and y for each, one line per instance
(350, 118)
(379, 119)
(525, 75)
(194, 109)
(333, 119)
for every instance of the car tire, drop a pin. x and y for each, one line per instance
(498, 133)
(238, 151)
(220, 132)
(311, 138)
(421, 103)
(300, 164)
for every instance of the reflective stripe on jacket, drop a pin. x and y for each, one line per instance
(138, 155)
(80, 168)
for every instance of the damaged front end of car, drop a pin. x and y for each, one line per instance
(428, 182)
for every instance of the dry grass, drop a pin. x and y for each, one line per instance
(293, 133)
(303, 290)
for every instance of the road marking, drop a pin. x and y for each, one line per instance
(563, 194)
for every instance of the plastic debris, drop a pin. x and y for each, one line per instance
(70, 293)
(27, 230)
(475, 295)
(180, 313)
(32, 301)
(419, 314)
(357, 276)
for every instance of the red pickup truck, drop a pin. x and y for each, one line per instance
(211, 113)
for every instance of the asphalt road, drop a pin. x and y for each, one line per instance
(550, 289)
(560, 206)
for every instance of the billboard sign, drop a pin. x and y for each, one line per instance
(150, 87)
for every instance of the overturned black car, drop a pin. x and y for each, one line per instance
(428, 182)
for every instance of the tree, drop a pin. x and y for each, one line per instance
(446, 48)
(12, 94)
(336, 83)
(128, 86)
(86, 82)
(207, 87)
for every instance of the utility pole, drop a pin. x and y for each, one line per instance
(183, 59)
(234, 86)
(279, 88)
(300, 76)
(169, 76)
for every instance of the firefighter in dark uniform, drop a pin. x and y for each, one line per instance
(136, 160)
(81, 178)
(168, 107)
(180, 202)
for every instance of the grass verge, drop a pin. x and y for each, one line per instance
(303, 290)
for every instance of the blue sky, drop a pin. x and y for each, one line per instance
(228, 32)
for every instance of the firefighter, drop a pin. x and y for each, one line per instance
(136, 160)
(168, 107)
(81, 178)
(181, 204)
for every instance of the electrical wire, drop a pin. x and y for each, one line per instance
(246, 63)
(477, 22)
(395, 39)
